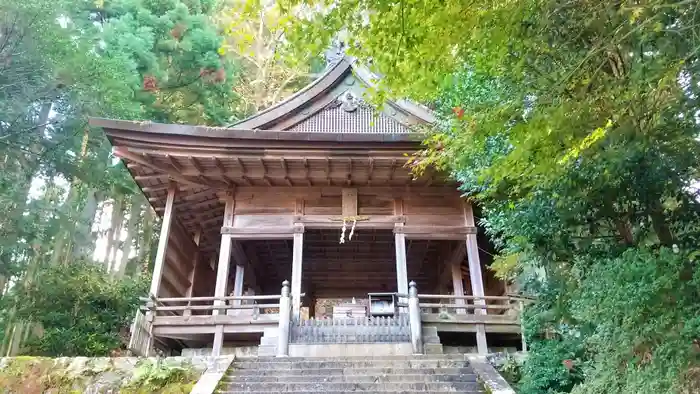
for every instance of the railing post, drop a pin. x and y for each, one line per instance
(522, 325)
(285, 317)
(150, 317)
(414, 319)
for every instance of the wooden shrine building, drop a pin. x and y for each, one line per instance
(313, 190)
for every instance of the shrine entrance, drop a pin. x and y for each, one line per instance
(337, 278)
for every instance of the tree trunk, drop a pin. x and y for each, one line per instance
(59, 249)
(116, 208)
(625, 231)
(131, 228)
(82, 236)
(146, 245)
(658, 221)
(116, 241)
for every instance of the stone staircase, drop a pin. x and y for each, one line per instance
(379, 374)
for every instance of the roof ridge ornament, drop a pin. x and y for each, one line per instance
(349, 102)
(335, 53)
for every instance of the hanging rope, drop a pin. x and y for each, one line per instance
(352, 230)
(342, 232)
(345, 221)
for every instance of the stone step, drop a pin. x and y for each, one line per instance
(353, 378)
(355, 392)
(308, 364)
(272, 341)
(370, 371)
(432, 349)
(429, 331)
(459, 387)
(358, 358)
(269, 351)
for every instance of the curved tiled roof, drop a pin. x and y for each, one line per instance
(322, 107)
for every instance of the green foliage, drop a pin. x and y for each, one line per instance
(174, 50)
(61, 62)
(39, 375)
(574, 126)
(510, 370)
(158, 377)
(81, 310)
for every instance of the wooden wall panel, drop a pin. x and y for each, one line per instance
(263, 203)
(376, 204)
(179, 258)
(262, 221)
(330, 205)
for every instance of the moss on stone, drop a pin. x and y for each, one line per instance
(39, 375)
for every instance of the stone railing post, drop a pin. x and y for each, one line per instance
(285, 318)
(414, 319)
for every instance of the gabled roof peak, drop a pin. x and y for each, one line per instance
(333, 104)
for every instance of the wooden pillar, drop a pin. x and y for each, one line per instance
(297, 259)
(284, 322)
(400, 245)
(193, 274)
(238, 283)
(457, 282)
(414, 319)
(312, 305)
(475, 277)
(401, 269)
(163, 241)
(222, 272)
(453, 269)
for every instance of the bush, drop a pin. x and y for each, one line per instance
(80, 309)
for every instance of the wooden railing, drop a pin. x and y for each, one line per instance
(141, 336)
(473, 304)
(480, 310)
(210, 311)
(207, 305)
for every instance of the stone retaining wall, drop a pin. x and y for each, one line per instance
(103, 375)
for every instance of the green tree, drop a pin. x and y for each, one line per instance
(61, 62)
(574, 126)
(174, 48)
(81, 310)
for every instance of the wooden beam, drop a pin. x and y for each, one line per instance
(286, 172)
(251, 233)
(148, 163)
(265, 177)
(306, 172)
(244, 170)
(370, 171)
(349, 202)
(205, 222)
(195, 268)
(426, 232)
(475, 276)
(176, 166)
(454, 266)
(194, 205)
(241, 258)
(297, 270)
(163, 242)
(401, 269)
(195, 163)
(155, 189)
(151, 177)
(222, 272)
